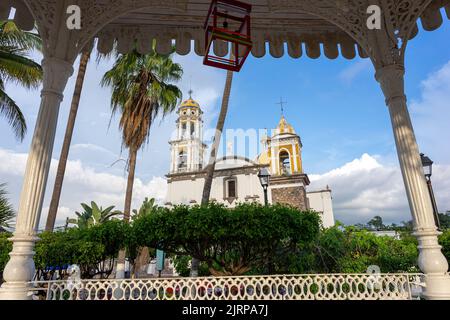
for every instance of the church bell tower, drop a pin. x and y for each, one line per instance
(283, 156)
(188, 149)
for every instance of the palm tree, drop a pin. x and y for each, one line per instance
(141, 90)
(6, 210)
(54, 203)
(93, 215)
(15, 66)
(149, 206)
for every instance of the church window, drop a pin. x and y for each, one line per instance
(192, 129)
(182, 160)
(230, 189)
(285, 163)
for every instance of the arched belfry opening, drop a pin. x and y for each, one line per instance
(285, 162)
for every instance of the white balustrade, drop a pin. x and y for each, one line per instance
(278, 287)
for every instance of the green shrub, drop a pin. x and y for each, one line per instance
(229, 241)
(93, 249)
(444, 240)
(181, 264)
(5, 249)
(353, 251)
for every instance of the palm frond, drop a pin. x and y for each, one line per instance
(11, 111)
(7, 212)
(142, 88)
(12, 36)
(20, 69)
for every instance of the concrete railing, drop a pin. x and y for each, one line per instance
(277, 287)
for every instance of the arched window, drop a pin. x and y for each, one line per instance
(285, 163)
(182, 160)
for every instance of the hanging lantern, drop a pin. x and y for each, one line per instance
(228, 24)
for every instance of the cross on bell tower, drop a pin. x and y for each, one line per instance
(282, 104)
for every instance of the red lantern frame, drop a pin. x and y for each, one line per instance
(240, 39)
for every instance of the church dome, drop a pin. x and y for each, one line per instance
(190, 103)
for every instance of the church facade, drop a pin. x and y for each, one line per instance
(235, 177)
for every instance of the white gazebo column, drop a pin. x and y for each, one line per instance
(20, 269)
(431, 260)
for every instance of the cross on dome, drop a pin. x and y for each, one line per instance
(189, 103)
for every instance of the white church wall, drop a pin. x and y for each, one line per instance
(185, 191)
(321, 201)
(248, 185)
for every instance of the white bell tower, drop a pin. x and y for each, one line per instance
(188, 149)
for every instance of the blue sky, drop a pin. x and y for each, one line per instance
(335, 105)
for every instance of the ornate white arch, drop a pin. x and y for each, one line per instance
(348, 15)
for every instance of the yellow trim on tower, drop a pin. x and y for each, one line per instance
(299, 158)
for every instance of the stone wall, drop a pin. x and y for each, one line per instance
(295, 196)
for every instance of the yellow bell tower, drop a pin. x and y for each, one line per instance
(283, 158)
(283, 151)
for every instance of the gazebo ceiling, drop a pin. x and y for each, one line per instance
(181, 22)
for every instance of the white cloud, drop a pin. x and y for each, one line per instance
(431, 113)
(365, 187)
(365, 163)
(354, 70)
(362, 188)
(81, 184)
(63, 214)
(91, 147)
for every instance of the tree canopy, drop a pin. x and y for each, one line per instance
(93, 249)
(229, 241)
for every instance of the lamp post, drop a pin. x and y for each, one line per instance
(427, 164)
(264, 179)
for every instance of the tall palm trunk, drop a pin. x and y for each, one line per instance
(215, 147)
(130, 183)
(120, 269)
(213, 156)
(51, 218)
